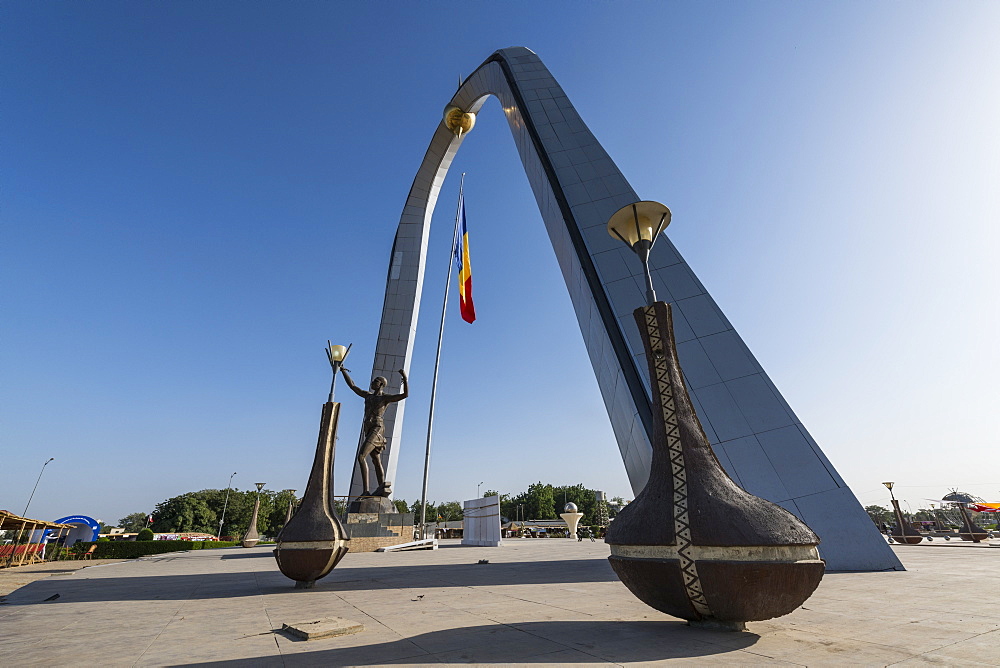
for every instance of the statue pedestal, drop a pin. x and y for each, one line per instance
(572, 520)
(370, 531)
(371, 504)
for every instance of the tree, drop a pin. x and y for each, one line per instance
(145, 534)
(539, 502)
(545, 502)
(133, 522)
(201, 511)
(271, 524)
(401, 506)
(446, 511)
(879, 514)
(615, 505)
(187, 512)
(450, 511)
(340, 508)
(585, 500)
(431, 512)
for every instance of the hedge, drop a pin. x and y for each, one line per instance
(127, 549)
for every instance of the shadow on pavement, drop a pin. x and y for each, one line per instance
(531, 642)
(344, 578)
(249, 555)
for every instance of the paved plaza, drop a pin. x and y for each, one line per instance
(536, 602)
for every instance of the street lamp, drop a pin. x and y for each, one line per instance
(25, 513)
(638, 225)
(888, 486)
(336, 355)
(225, 504)
(478, 487)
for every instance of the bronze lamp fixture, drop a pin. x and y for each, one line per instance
(638, 226)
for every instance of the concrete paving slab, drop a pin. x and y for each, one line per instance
(322, 628)
(538, 602)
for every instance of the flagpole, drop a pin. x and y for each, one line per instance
(437, 363)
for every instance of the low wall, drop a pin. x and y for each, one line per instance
(372, 543)
(481, 522)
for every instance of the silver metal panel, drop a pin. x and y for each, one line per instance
(698, 368)
(756, 474)
(795, 462)
(847, 531)
(577, 187)
(729, 355)
(720, 410)
(762, 410)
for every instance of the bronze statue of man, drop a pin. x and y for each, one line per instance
(373, 428)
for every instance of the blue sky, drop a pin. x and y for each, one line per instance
(195, 197)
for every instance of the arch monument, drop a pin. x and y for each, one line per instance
(755, 434)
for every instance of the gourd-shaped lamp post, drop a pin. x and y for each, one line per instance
(252, 537)
(314, 541)
(904, 533)
(694, 544)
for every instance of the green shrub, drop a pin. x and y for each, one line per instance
(103, 539)
(122, 549)
(145, 534)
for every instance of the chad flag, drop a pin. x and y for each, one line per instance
(464, 267)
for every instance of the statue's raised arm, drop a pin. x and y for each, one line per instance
(406, 388)
(350, 383)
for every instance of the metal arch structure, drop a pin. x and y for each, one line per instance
(761, 443)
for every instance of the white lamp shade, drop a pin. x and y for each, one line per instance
(337, 353)
(639, 220)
